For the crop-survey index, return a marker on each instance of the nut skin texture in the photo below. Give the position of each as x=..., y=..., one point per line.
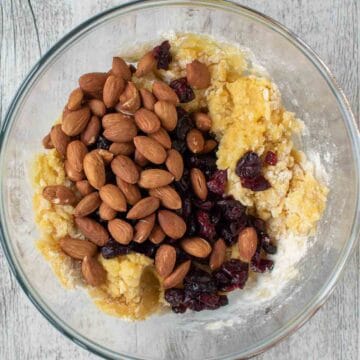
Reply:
x=47, y=143
x=195, y=141
x=123, y=131
x=153, y=178
x=203, y=121
x=198, y=75
x=94, y=169
x=177, y=276
x=198, y=182
x=76, y=248
x=74, y=122
x=175, y=163
x=130, y=100
x=147, y=98
x=143, y=228
x=209, y=146
x=106, y=212
x=75, y=99
x=172, y=224
x=150, y=149
x=114, y=86
x=165, y=259
x=120, y=68
x=93, y=272
x=93, y=83
x=247, y=244
x=125, y=148
x=59, y=139
x=113, y=197
x=146, y=64
x=124, y=168
x=196, y=246
x=164, y=92
x=75, y=153
x=130, y=191
x=157, y=235
x=91, y=132
x=162, y=137
x=147, y=121
x=59, y=195
x=92, y=230
x=97, y=107
x=87, y=205
x=71, y=173
x=168, y=197
x=166, y=111
x=121, y=231
x=84, y=187
x=218, y=254
x=143, y=208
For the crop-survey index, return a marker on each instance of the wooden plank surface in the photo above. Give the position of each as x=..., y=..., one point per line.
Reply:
x=331, y=27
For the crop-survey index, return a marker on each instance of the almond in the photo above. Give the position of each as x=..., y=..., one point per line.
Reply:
x=123, y=167
x=77, y=248
x=217, y=255
x=150, y=149
x=165, y=260
x=75, y=153
x=148, y=99
x=73, y=174
x=195, y=141
x=162, y=137
x=97, y=107
x=106, y=155
x=113, y=196
x=46, y=142
x=203, y=121
x=157, y=235
x=87, y=204
x=130, y=191
x=93, y=272
x=114, y=86
x=173, y=225
x=121, y=231
x=198, y=182
x=209, y=146
x=59, y=195
x=164, y=92
x=196, y=246
x=143, y=208
x=120, y=68
x=166, y=111
x=143, y=228
x=93, y=83
x=153, y=178
x=198, y=75
x=106, y=212
x=146, y=64
x=247, y=244
x=140, y=159
x=84, y=187
x=125, y=148
x=147, y=121
x=75, y=122
x=124, y=131
x=129, y=100
x=177, y=276
x=92, y=230
x=75, y=99
x=175, y=163
x=91, y=132
x=113, y=119
x=59, y=139
x=94, y=169
x=168, y=197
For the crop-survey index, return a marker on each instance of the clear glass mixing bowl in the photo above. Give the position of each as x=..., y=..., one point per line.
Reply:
x=240, y=329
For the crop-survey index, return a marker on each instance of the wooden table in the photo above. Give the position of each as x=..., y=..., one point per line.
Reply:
x=331, y=27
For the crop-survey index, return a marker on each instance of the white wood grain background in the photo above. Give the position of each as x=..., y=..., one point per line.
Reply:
x=29, y=27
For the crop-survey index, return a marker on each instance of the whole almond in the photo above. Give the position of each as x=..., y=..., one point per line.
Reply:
x=59, y=195
x=177, y=276
x=124, y=131
x=203, y=121
x=146, y=64
x=125, y=148
x=106, y=155
x=113, y=119
x=46, y=142
x=123, y=167
x=172, y=224
x=147, y=121
x=198, y=182
x=140, y=159
x=162, y=137
x=92, y=230
x=73, y=174
x=94, y=169
x=120, y=68
x=143, y=228
x=106, y=212
x=77, y=248
x=175, y=163
x=59, y=139
x=87, y=204
x=150, y=149
x=157, y=235
x=91, y=132
x=84, y=187
x=209, y=146
x=196, y=246
x=147, y=99
x=75, y=99
x=198, y=75
x=114, y=86
x=153, y=178
x=130, y=191
x=143, y=208
x=195, y=141
x=121, y=231
x=166, y=111
x=75, y=121
x=165, y=260
x=93, y=272
x=97, y=107
x=217, y=255
x=168, y=197
x=129, y=100
x=93, y=83
x=75, y=153
x=113, y=196
x=247, y=244
x=164, y=92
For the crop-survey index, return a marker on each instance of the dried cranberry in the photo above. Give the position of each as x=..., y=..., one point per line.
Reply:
x=217, y=182
x=206, y=163
x=262, y=265
x=211, y=301
x=257, y=223
x=231, y=208
x=180, y=146
x=271, y=158
x=199, y=281
x=231, y=275
x=203, y=205
x=194, y=304
x=113, y=249
x=258, y=183
x=183, y=185
x=162, y=55
x=206, y=227
x=183, y=90
x=249, y=166
x=174, y=297
x=103, y=143
x=228, y=236
x=215, y=216
x=186, y=207
x=238, y=225
x=184, y=124
x=191, y=226
x=147, y=248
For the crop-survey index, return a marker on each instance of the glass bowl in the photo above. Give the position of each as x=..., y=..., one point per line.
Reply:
x=243, y=328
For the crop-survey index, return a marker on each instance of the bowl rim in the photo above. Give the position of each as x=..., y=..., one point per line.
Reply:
x=347, y=116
